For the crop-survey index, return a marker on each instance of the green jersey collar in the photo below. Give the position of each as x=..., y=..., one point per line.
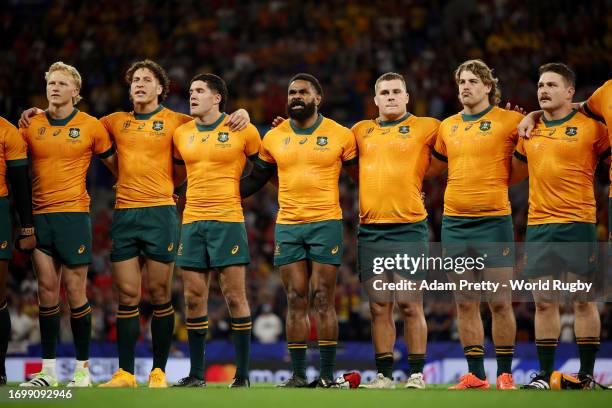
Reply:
x=553, y=123
x=147, y=116
x=383, y=123
x=307, y=131
x=213, y=126
x=61, y=122
x=471, y=118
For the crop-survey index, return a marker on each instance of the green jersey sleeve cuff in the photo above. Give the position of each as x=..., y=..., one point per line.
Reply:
x=178, y=162
x=521, y=157
x=439, y=156
x=253, y=157
x=351, y=162
x=264, y=164
x=605, y=154
x=107, y=153
x=17, y=163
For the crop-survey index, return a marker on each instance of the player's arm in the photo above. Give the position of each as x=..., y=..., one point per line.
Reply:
x=260, y=174
x=529, y=121
x=27, y=115
x=21, y=186
x=179, y=174
x=519, y=170
x=111, y=163
x=437, y=166
x=353, y=171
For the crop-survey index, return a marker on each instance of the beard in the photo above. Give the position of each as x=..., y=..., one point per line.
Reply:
x=307, y=111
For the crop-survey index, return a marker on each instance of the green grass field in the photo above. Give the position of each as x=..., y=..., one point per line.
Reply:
x=267, y=396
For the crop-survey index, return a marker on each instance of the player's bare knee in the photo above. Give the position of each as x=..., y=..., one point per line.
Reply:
x=296, y=301
x=235, y=300
x=547, y=308
x=500, y=308
x=128, y=294
x=322, y=301
x=193, y=302
x=159, y=292
x=379, y=310
x=584, y=308
x=48, y=289
x=410, y=309
x=468, y=308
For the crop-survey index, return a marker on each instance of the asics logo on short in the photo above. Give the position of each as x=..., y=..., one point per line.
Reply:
x=334, y=250
x=235, y=249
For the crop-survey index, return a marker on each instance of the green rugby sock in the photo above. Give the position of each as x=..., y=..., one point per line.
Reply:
x=80, y=323
x=297, y=351
x=475, y=359
x=49, y=320
x=241, y=335
x=504, y=355
x=327, y=351
x=416, y=363
x=128, y=332
x=384, y=364
x=546, y=354
x=587, y=350
x=197, y=328
x=162, y=329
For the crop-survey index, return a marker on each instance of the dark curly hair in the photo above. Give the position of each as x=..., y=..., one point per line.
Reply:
x=156, y=69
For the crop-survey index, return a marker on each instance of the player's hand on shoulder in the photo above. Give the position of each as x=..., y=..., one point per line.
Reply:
x=238, y=120
x=27, y=115
x=277, y=121
x=516, y=108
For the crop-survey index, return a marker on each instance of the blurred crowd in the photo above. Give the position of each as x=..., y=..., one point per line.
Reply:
x=256, y=47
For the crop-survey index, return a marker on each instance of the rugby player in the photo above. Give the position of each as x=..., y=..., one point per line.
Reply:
x=307, y=152
x=560, y=159
x=61, y=142
x=213, y=237
x=394, y=155
x=14, y=164
x=476, y=146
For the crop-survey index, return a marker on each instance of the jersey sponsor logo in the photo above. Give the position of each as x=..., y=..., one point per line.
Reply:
x=304, y=140
x=57, y=132
x=81, y=250
x=369, y=132
x=235, y=249
x=404, y=129
x=335, y=250
x=180, y=249
x=321, y=140
x=204, y=138
x=571, y=130
x=158, y=125
x=223, y=137
x=141, y=126
x=468, y=127
x=191, y=138
x=454, y=128
x=485, y=125
x=126, y=124
x=41, y=131
x=286, y=140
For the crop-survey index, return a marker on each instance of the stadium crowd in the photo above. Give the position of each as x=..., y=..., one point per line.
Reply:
x=256, y=48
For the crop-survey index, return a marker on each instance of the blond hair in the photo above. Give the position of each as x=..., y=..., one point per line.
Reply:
x=482, y=71
x=71, y=72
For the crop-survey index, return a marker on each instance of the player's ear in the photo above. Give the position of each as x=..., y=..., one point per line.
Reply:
x=217, y=99
x=407, y=97
x=375, y=101
x=160, y=89
x=318, y=100
x=571, y=91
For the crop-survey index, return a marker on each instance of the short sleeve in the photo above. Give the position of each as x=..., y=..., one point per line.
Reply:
x=253, y=141
x=432, y=133
x=602, y=142
x=439, y=150
x=594, y=105
x=520, y=152
x=349, y=149
x=264, y=157
x=102, y=143
x=15, y=148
